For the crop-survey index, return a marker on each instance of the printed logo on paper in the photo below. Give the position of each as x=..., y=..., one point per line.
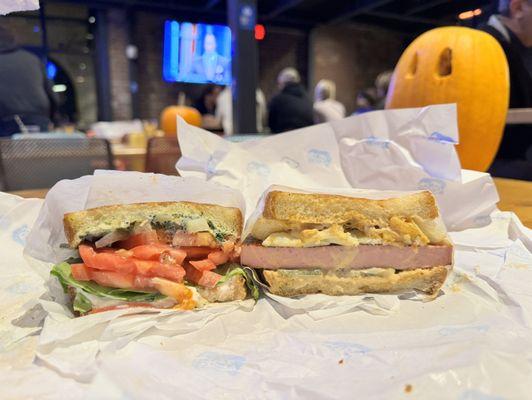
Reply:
x=441, y=138
x=211, y=165
x=258, y=168
x=19, y=235
x=348, y=349
x=228, y=363
x=377, y=142
x=474, y=394
x=290, y=162
x=316, y=156
x=436, y=186
x=453, y=330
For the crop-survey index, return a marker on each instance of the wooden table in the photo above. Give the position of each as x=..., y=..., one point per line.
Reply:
x=515, y=196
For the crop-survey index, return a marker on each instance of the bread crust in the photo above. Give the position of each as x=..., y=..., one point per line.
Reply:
x=101, y=220
x=335, y=209
x=427, y=280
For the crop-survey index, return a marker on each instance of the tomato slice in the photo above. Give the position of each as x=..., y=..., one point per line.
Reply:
x=175, y=272
x=105, y=260
x=80, y=272
x=203, y=265
x=203, y=278
x=148, y=237
x=196, y=253
x=218, y=257
x=112, y=279
x=159, y=252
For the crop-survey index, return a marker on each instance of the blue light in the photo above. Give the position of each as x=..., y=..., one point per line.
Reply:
x=196, y=53
x=51, y=70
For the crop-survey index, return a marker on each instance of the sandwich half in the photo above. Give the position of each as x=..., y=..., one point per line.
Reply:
x=304, y=243
x=162, y=255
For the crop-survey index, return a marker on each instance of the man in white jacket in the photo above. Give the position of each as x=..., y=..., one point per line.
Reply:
x=326, y=108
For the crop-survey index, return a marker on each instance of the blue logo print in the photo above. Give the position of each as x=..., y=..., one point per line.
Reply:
x=377, y=142
x=316, y=156
x=436, y=186
x=290, y=162
x=19, y=235
x=258, y=168
x=440, y=137
x=348, y=349
x=473, y=394
x=228, y=363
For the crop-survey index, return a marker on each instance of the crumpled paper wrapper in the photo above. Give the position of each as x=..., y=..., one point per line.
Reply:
x=407, y=149
x=472, y=342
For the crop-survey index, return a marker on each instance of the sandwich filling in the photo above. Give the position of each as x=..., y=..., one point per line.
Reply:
x=162, y=268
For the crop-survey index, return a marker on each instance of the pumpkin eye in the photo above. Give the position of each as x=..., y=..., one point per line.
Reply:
x=445, y=66
x=412, y=68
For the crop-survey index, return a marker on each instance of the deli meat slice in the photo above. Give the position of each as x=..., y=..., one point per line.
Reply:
x=355, y=257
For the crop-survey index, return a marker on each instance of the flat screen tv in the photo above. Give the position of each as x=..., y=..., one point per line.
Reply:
x=197, y=53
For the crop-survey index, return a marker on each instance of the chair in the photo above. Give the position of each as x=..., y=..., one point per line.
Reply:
x=41, y=162
x=162, y=154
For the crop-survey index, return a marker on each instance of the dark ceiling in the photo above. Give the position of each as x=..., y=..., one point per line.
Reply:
x=403, y=15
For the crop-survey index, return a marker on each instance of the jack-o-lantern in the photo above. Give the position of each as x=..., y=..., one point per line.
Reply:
x=463, y=66
x=169, y=118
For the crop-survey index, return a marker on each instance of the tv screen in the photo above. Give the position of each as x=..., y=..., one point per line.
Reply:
x=197, y=53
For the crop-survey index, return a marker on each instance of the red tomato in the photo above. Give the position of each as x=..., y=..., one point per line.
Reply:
x=196, y=253
x=80, y=272
x=112, y=279
x=203, y=278
x=119, y=307
x=148, y=237
x=159, y=252
x=105, y=260
x=203, y=265
x=154, y=268
x=218, y=257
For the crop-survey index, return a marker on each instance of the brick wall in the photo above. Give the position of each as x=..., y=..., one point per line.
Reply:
x=353, y=56
x=119, y=64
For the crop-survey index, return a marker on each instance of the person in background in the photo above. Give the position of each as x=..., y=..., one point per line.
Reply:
x=291, y=108
x=224, y=110
x=206, y=104
x=512, y=28
x=365, y=102
x=27, y=101
x=326, y=107
x=382, y=83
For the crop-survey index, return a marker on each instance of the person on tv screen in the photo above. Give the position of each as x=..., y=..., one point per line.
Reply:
x=211, y=65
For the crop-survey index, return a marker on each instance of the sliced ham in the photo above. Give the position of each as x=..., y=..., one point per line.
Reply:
x=348, y=257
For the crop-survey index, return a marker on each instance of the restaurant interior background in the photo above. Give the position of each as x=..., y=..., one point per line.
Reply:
x=105, y=59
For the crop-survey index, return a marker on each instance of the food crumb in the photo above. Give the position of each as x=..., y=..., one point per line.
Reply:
x=408, y=388
x=341, y=361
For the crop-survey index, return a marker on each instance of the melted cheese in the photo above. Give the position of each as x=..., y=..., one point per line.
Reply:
x=334, y=234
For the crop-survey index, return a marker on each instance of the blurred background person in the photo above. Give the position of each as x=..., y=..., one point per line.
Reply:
x=206, y=103
x=512, y=28
x=27, y=102
x=326, y=107
x=224, y=110
x=291, y=108
x=365, y=101
x=382, y=83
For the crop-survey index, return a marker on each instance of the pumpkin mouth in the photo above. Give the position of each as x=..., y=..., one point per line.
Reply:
x=445, y=63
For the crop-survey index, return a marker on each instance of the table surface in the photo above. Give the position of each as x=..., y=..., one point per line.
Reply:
x=515, y=196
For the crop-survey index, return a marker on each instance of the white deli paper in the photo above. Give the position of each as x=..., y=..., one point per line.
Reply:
x=408, y=149
x=472, y=342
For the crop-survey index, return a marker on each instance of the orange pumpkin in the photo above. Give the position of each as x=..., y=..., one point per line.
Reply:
x=463, y=66
x=169, y=115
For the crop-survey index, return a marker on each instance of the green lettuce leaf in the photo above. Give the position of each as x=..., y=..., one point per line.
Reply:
x=63, y=272
x=250, y=283
x=81, y=304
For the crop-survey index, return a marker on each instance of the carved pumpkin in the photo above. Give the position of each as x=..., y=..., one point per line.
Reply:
x=463, y=66
x=168, y=118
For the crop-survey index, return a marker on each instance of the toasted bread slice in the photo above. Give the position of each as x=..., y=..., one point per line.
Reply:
x=224, y=223
x=334, y=209
x=290, y=283
x=409, y=219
